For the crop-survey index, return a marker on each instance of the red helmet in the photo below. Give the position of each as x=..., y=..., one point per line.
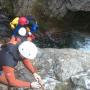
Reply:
x=23, y=21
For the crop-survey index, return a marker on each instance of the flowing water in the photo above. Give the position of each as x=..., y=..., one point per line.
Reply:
x=70, y=39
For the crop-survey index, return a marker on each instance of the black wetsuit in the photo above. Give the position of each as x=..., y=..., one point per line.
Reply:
x=9, y=56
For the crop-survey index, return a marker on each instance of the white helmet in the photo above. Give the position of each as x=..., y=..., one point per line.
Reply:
x=22, y=31
x=28, y=49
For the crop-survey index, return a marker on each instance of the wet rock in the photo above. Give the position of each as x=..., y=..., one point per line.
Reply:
x=63, y=64
x=82, y=79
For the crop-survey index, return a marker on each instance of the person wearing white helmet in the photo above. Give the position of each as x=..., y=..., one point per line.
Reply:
x=12, y=53
x=22, y=31
x=19, y=23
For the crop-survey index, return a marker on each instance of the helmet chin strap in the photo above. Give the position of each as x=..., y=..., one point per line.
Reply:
x=15, y=38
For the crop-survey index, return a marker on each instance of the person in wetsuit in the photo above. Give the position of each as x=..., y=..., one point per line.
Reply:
x=9, y=58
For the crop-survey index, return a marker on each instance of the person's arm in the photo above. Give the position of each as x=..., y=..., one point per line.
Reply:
x=31, y=68
x=27, y=63
x=9, y=74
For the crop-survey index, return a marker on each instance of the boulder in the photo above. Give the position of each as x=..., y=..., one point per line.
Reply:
x=82, y=79
x=62, y=63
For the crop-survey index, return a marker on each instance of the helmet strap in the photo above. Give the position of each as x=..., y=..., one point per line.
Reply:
x=15, y=38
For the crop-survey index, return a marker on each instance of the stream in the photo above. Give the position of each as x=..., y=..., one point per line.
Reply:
x=70, y=39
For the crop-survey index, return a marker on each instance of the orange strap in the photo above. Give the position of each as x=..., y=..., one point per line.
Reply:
x=9, y=74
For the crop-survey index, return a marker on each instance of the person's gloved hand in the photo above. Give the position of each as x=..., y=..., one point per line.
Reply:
x=38, y=79
x=35, y=85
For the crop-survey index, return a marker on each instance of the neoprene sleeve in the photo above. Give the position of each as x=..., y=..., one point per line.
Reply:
x=12, y=81
x=29, y=65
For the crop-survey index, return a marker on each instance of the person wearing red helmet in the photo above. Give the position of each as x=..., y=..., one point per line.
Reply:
x=18, y=20
x=23, y=21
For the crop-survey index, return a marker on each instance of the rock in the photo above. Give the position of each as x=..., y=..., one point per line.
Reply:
x=55, y=8
x=59, y=8
x=51, y=83
x=6, y=7
x=78, y=5
x=82, y=79
x=22, y=8
x=52, y=8
x=78, y=88
x=64, y=86
x=5, y=31
x=62, y=65
x=3, y=87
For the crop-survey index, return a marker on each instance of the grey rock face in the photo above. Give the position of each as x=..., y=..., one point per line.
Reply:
x=23, y=7
x=78, y=88
x=58, y=8
x=82, y=79
x=6, y=6
x=55, y=8
x=62, y=64
x=78, y=5
x=52, y=8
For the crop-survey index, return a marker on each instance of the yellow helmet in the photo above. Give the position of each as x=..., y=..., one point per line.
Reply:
x=14, y=23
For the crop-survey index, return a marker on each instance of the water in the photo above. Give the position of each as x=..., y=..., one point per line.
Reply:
x=70, y=39
x=86, y=45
